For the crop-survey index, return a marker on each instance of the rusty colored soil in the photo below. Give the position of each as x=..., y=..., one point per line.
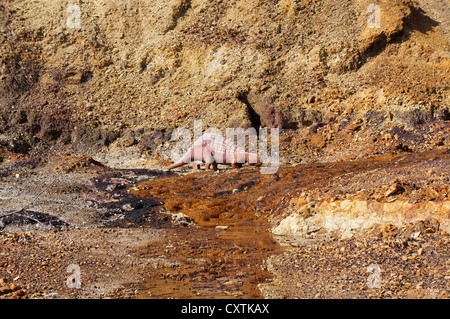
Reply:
x=230, y=196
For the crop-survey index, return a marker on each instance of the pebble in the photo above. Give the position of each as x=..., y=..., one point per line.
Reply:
x=11, y=290
x=4, y=289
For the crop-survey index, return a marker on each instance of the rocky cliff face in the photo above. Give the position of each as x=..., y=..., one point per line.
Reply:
x=88, y=76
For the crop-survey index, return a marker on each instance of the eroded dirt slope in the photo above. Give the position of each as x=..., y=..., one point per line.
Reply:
x=118, y=76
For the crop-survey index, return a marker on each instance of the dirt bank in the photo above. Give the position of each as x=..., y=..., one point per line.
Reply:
x=116, y=77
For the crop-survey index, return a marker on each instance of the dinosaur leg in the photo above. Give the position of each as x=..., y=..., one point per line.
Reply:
x=188, y=157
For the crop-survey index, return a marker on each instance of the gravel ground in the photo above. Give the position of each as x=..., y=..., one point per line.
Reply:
x=390, y=262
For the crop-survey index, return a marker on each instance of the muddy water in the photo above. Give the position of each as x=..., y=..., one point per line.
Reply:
x=212, y=263
x=222, y=255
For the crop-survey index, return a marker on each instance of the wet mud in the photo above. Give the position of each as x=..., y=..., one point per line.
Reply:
x=211, y=263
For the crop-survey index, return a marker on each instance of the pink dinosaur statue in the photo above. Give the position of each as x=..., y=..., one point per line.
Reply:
x=213, y=149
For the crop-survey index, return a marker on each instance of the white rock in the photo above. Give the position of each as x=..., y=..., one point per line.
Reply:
x=290, y=225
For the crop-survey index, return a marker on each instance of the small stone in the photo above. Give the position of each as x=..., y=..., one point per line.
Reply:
x=346, y=235
x=414, y=235
x=127, y=207
x=222, y=227
x=234, y=293
x=19, y=293
x=353, y=127
x=4, y=289
x=129, y=141
x=318, y=141
x=233, y=282
x=14, y=287
x=394, y=189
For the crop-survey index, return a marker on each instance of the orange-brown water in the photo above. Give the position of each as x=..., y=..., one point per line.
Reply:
x=213, y=263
